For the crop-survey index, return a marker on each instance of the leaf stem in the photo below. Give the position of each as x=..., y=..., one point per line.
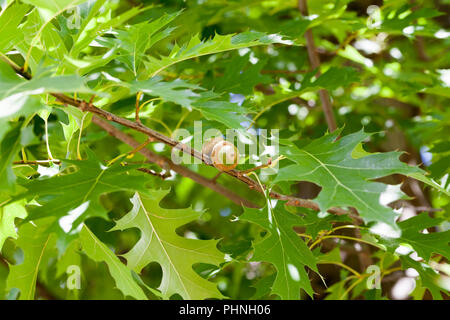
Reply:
x=356, y=273
x=79, y=136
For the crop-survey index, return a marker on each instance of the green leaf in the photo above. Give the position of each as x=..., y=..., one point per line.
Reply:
x=178, y=91
x=76, y=195
x=263, y=287
x=137, y=39
x=332, y=256
x=239, y=77
x=428, y=276
x=425, y=244
x=228, y=113
x=98, y=22
x=98, y=251
x=54, y=7
x=337, y=291
x=335, y=77
x=345, y=181
x=315, y=224
x=332, y=79
x=398, y=19
x=35, y=240
x=8, y=214
x=43, y=37
x=19, y=105
x=440, y=166
x=184, y=94
x=70, y=257
x=385, y=69
x=70, y=129
x=196, y=48
x=283, y=247
x=438, y=90
x=9, y=147
x=160, y=243
x=10, y=19
x=11, y=84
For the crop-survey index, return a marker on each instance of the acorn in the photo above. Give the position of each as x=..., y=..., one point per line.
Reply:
x=223, y=154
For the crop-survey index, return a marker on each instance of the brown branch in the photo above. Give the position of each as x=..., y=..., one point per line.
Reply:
x=163, y=176
x=292, y=201
x=155, y=135
x=315, y=64
x=419, y=41
x=167, y=164
x=421, y=52
x=37, y=162
x=164, y=162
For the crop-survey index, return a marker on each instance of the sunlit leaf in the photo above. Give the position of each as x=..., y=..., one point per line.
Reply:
x=159, y=242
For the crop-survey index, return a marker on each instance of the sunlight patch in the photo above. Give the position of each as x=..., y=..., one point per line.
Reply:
x=67, y=221
x=293, y=272
x=385, y=230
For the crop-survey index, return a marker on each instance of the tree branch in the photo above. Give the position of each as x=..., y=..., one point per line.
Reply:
x=167, y=164
x=315, y=64
x=162, y=161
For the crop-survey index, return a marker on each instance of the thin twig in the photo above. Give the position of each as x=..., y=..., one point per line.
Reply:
x=163, y=176
x=37, y=162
